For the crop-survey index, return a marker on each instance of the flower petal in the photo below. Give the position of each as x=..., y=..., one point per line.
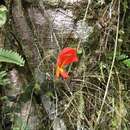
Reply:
x=57, y=73
x=59, y=70
x=67, y=56
x=64, y=75
x=70, y=60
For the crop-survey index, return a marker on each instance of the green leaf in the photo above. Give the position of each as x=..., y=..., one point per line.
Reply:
x=20, y=124
x=36, y=88
x=127, y=62
x=10, y=56
x=121, y=57
x=125, y=5
x=124, y=59
x=3, y=15
x=3, y=79
x=49, y=94
x=80, y=51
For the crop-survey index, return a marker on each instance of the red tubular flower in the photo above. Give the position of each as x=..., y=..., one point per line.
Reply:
x=65, y=57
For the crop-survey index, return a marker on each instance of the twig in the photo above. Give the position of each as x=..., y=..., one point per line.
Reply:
x=85, y=16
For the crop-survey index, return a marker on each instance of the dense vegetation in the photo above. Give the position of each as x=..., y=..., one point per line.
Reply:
x=95, y=96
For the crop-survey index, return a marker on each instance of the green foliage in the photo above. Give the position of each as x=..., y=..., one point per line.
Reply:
x=121, y=57
x=36, y=88
x=126, y=62
x=3, y=15
x=125, y=5
x=20, y=124
x=80, y=51
x=3, y=79
x=10, y=56
x=124, y=59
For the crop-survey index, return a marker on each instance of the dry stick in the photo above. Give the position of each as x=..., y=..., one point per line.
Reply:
x=85, y=16
x=112, y=65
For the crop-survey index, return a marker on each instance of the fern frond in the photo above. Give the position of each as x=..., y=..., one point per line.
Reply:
x=3, y=78
x=10, y=56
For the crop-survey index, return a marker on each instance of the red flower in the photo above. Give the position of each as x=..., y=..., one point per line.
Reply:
x=65, y=57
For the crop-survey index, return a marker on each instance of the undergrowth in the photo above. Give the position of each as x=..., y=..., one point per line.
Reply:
x=96, y=96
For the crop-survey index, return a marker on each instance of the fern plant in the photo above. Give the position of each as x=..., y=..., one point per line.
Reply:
x=10, y=56
x=3, y=78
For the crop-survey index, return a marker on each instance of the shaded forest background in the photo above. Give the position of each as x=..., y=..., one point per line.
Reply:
x=96, y=96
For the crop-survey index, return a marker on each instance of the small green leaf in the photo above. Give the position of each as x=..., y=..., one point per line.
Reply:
x=121, y=57
x=4, y=98
x=127, y=62
x=125, y=5
x=3, y=80
x=20, y=124
x=3, y=15
x=49, y=94
x=37, y=88
x=80, y=51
